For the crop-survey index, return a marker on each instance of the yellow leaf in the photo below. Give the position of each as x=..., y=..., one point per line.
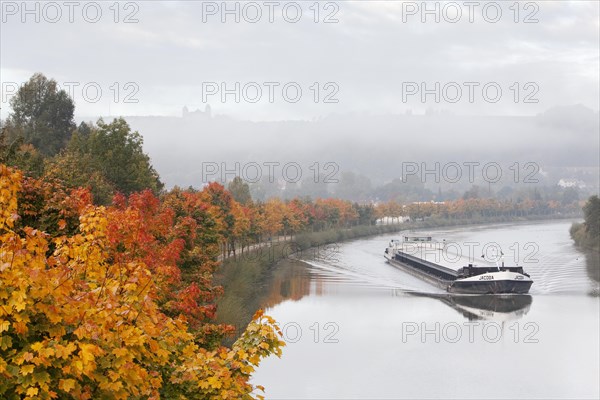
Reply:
x=37, y=346
x=87, y=352
x=66, y=384
x=264, y=345
x=4, y=325
x=47, y=352
x=120, y=352
x=255, y=359
x=214, y=382
x=32, y=391
x=27, y=369
x=78, y=366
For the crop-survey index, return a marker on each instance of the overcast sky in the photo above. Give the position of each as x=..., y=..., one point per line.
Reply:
x=372, y=56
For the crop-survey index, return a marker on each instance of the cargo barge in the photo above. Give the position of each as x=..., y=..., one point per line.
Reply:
x=471, y=279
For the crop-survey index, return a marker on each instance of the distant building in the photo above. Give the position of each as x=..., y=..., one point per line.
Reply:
x=198, y=114
x=392, y=220
x=571, y=183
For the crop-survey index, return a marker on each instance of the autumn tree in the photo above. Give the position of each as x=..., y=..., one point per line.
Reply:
x=296, y=217
x=221, y=203
x=83, y=322
x=242, y=229
x=274, y=211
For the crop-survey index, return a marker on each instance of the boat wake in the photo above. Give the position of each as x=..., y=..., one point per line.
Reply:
x=555, y=269
x=361, y=267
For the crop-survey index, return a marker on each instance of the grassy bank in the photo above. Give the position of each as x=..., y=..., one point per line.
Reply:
x=245, y=280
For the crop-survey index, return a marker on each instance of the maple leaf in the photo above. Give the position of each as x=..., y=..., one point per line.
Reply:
x=66, y=384
x=27, y=369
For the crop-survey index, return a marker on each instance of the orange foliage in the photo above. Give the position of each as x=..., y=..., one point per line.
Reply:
x=83, y=320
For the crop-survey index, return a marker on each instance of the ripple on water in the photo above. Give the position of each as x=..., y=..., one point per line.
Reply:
x=556, y=267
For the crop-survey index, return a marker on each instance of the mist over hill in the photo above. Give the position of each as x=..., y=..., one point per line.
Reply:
x=191, y=150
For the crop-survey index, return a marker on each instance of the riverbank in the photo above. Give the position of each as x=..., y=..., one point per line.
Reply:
x=312, y=239
x=583, y=239
x=588, y=246
x=245, y=277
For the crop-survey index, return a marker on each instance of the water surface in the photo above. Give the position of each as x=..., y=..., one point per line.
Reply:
x=358, y=327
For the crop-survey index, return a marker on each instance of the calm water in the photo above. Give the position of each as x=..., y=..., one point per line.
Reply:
x=357, y=327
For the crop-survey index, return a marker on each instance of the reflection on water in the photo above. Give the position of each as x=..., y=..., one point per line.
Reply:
x=493, y=308
x=547, y=348
x=291, y=281
x=249, y=287
x=484, y=307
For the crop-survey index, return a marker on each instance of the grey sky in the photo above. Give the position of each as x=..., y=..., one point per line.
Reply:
x=368, y=54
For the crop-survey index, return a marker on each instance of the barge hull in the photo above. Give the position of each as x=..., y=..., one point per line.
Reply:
x=490, y=287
